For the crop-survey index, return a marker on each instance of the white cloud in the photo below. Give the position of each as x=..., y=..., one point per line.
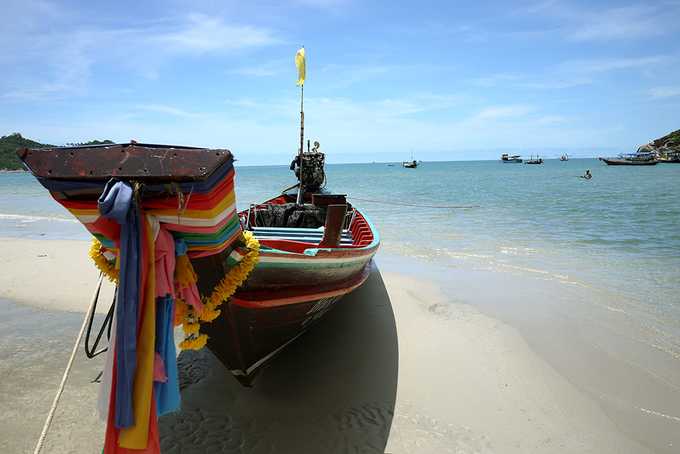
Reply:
x=66, y=63
x=500, y=112
x=69, y=49
x=634, y=21
x=551, y=80
x=664, y=92
x=551, y=120
x=344, y=75
x=267, y=69
x=573, y=73
x=601, y=65
x=323, y=4
x=201, y=33
x=500, y=79
x=628, y=22
x=165, y=109
x=253, y=126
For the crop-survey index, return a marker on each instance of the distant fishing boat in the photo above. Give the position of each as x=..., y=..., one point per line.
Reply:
x=511, y=158
x=537, y=160
x=634, y=159
x=412, y=164
x=671, y=158
x=564, y=157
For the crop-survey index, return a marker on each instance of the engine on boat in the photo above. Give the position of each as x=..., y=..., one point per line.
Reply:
x=290, y=215
x=309, y=168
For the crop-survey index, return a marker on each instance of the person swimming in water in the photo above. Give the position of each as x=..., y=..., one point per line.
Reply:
x=587, y=175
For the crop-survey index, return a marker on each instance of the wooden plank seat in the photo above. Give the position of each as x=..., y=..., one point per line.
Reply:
x=303, y=235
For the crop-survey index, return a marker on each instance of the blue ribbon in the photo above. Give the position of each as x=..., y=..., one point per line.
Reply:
x=167, y=393
x=117, y=203
x=180, y=247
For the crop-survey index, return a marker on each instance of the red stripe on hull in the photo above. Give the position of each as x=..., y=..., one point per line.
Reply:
x=254, y=326
x=294, y=295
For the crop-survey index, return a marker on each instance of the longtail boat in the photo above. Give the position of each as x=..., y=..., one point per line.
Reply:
x=536, y=161
x=246, y=283
x=310, y=253
x=505, y=158
x=167, y=233
x=300, y=275
x=635, y=159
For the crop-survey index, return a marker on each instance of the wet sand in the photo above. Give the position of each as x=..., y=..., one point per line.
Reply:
x=398, y=367
x=34, y=347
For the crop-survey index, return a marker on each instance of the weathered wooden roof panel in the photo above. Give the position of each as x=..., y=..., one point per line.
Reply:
x=129, y=161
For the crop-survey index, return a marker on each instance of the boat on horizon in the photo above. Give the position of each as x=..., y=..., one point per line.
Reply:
x=412, y=164
x=670, y=158
x=511, y=158
x=633, y=159
x=535, y=161
x=564, y=157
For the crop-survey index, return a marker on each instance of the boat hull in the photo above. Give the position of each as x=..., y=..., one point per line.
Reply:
x=627, y=162
x=283, y=297
x=255, y=326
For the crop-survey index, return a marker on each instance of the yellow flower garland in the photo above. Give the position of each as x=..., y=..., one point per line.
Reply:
x=184, y=314
x=223, y=291
x=237, y=276
x=195, y=343
x=108, y=268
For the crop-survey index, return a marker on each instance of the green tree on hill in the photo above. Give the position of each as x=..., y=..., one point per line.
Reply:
x=8, y=148
x=9, y=145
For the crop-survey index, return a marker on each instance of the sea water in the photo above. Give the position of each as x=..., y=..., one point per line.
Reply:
x=617, y=235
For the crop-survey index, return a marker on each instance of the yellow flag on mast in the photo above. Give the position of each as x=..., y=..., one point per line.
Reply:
x=300, y=64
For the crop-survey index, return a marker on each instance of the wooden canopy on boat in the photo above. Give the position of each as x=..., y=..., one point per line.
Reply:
x=138, y=161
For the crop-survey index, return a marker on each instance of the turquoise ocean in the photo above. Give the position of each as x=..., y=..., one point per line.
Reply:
x=617, y=236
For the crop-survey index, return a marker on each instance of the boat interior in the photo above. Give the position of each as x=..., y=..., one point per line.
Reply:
x=329, y=221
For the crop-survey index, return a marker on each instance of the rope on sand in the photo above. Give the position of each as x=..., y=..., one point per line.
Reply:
x=418, y=205
x=60, y=390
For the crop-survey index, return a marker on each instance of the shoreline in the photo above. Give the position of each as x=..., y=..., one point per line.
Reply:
x=62, y=269
x=466, y=379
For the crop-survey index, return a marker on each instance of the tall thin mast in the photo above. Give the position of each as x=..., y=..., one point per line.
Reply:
x=301, y=67
x=302, y=142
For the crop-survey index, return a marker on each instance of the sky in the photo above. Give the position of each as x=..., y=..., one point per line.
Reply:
x=445, y=80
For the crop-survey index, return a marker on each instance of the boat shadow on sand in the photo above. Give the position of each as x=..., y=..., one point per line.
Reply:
x=332, y=390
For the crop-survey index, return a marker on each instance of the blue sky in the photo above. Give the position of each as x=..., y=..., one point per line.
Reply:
x=448, y=80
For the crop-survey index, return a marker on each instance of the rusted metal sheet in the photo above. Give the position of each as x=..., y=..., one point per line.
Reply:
x=131, y=160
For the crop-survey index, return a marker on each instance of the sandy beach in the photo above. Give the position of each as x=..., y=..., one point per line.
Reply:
x=399, y=367
x=330, y=199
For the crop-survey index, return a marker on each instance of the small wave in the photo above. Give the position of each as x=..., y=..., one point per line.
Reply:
x=519, y=251
x=24, y=218
x=658, y=413
x=616, y=309
x=523, y=268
